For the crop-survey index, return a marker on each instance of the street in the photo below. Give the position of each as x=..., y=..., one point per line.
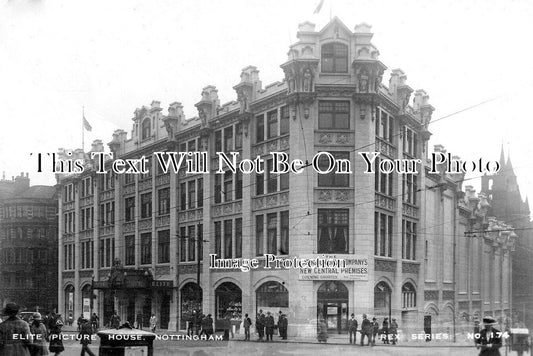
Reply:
x=204, y=348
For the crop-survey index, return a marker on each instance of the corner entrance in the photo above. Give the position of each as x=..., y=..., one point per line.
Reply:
x=332, y=306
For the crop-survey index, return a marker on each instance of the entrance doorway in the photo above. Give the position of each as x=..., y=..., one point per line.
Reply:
x=332, y=306
x=147, y=312
x=164, y=317
x=109, y=307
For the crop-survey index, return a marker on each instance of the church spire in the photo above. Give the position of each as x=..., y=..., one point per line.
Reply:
x=502, y=158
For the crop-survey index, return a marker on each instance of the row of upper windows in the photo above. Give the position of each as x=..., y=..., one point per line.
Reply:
x=27, y=232
x=27, y=211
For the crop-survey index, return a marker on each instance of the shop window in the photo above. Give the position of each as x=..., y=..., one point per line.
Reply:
x=382, y=296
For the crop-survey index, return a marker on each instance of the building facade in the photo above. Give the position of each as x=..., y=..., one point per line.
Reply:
x=507, y=205
x=28, y=244
x=146, y=245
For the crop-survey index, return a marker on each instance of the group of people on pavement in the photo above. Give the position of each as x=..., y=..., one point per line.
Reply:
x=388, y=333
x=200, y=324
x=18, y=338
x=265, y=325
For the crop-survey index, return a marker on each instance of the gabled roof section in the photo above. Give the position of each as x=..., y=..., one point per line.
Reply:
x=335, y=21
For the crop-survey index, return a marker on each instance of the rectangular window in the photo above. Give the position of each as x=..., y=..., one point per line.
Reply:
x=200, y=193
x=163, y=250
x=238, y=185
x=272, y=179
x=191, y=145
x=333, y=227
x=146, y=205
x=183, y=196
x=384, y=125
x=163, y=196
x=284, y=124
x=218, y=188
x=201, y=241
x=333, y=179
x=238, y=136
x=192, y=193
x=218, y=141
x=409, y=187
x=259, y=184
x=284, y=181
x=272, y=233
x=129, y=178
x=130, y=250
x=218, y=239
x=334, y=58
x=238, y=238
x=228, y=232
x=272, y=124
x=409, y=240
x=228, y=139
x=183, y=244
x=146, y=248
x=259, y=235
x=384, y=182
x=383, y=230
x=228, y=186
x=333, y=114
x=129, y=208
x=259, y=128
x=284, y=241
x=192, y=243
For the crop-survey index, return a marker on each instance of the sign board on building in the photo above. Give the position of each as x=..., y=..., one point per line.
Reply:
x=355, y=269
x=162, y=284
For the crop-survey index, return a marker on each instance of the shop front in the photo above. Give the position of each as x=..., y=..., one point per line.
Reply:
x=332, y=306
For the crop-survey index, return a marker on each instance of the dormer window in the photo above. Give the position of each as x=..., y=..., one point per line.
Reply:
x=146, y=129
x=334, y=58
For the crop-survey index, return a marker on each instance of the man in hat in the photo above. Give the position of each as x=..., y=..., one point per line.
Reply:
x=11, y=327
x=365, y=330
x=86, y=332
x=352, y=329
x=490, y=339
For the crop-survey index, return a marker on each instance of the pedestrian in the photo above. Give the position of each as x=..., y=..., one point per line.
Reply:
x=385, y=331
x=139, y=321
x=56, y=339
x=366, y=330
x=352, y=329
x=489, y=340
x=322, y=331
x=40, y=336
x=226, y=325
x=247, y=323
x=153, y=323
x=427, y=327
x=269, y=326
x=209, y=325
x=94, y=322
x=190, y=323
x=279, y=318
x=115, y=320
x=80, y=321
x=394, y=331
x=13, y=325
x=260, y=324
x=283, y=324
x=375, y=330
x=85, y=336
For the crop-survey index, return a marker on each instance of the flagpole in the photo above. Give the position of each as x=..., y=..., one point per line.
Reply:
x=82, y=128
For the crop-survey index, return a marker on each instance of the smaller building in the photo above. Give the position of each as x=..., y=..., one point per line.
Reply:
x=28, y=244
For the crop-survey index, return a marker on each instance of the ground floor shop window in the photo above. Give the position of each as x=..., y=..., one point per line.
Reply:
x=191, y=300
x=109, y=306
x=272, y=297
x=69, y=303
x=382, y=299
x=228, y=301
x=86, y=301
x=332, y=306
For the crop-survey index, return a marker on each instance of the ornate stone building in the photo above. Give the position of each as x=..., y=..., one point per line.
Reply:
x=507, y=205
x=399, y=231
x=28, y=244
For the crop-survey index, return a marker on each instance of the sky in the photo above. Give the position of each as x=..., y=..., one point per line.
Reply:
x=111, y=57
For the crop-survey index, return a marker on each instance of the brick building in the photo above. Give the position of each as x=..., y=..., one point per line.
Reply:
x=139, y=243
x=28, y=244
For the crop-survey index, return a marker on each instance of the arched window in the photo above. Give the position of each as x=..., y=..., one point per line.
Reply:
x=334, y=58
x=69, y=302
x=272, y=296
x=146, y=129
x=382, y=294
x=408, y=296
